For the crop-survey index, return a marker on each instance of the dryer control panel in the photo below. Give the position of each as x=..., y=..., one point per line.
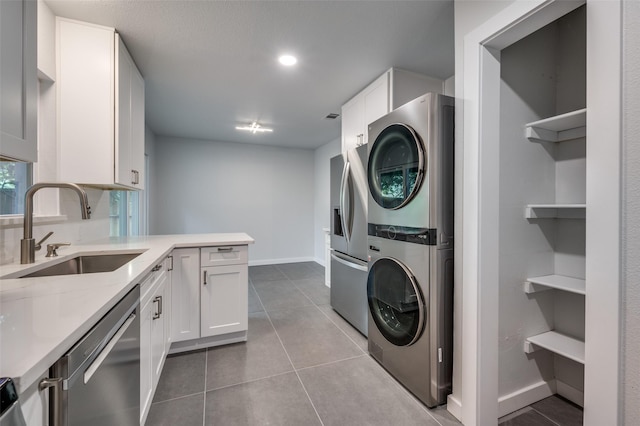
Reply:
x=424, y=236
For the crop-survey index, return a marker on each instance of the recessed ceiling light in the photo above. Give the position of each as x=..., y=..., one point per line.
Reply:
x=254, y=128
x=288, y=60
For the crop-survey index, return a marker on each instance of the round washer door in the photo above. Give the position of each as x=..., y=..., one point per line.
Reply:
x=395, y=301
x=396, y=166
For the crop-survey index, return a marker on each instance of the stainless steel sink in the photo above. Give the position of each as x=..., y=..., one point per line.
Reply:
x=88, y=264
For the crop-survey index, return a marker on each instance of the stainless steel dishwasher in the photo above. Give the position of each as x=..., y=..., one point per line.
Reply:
x=98, y=381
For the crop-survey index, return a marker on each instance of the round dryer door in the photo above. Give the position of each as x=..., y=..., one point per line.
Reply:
x=395, y=301
x=396, y=166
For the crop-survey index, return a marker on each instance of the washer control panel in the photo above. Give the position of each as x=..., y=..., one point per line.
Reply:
x=424, y=236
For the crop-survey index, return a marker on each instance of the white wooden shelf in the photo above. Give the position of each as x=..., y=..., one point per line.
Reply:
x=557, y=343
x=559, y=282
x=550, y=211
x=564, y=127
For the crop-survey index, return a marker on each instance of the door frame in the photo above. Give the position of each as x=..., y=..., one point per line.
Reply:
x=475, y=401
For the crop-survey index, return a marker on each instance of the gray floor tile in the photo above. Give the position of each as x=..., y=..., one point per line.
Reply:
x=310, y=338
x=560, y=411
x=316, y=267
x=262, y=355
x=187, y=411
x=254, y=302
x=347, y=328
x=298, y=271
x=444, y=417
x=359, y=392
x=265, y=273
x=277, y=295
x=315, y=289
x=183, y=374
x=528, y=418
x=278, y=400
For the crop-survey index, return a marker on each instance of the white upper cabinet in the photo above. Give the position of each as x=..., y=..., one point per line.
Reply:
x=100, y=108
x=18, y=80
x=389, y=91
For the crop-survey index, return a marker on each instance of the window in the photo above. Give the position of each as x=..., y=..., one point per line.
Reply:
x=124, y=213
x=15, y=178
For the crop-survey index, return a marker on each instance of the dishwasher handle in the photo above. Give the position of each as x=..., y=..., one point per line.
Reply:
x=90, y=371
x=55, y=399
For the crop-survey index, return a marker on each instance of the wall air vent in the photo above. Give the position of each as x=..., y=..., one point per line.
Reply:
x=332, y=116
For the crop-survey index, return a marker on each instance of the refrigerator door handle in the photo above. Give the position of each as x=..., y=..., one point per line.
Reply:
x=345, y=207
x=348, y=262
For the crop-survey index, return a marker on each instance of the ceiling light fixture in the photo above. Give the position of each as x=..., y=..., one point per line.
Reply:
x=254, y=128
x=288, y=60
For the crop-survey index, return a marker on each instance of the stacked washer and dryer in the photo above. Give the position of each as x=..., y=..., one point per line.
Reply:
x=410, y=245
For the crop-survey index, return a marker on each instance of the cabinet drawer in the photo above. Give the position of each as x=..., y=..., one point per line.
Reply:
x=223, y=255
x=150, y=282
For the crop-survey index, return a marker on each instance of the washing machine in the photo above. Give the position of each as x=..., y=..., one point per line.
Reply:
x=410, y=166
x=410, y=246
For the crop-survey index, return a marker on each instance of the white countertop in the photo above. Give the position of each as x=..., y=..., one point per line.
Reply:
x=41, y=318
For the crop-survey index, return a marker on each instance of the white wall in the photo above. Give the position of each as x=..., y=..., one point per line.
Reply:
x=321, y=218
x=630, y=207
x=267, y=192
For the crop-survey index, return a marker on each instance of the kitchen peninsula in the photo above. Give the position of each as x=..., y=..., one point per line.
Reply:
x=41, y=318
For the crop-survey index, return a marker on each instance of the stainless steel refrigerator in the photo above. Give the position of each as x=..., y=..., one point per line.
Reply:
x=349, y=194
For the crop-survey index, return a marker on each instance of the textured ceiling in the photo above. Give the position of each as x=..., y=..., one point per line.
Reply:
x=212, y=65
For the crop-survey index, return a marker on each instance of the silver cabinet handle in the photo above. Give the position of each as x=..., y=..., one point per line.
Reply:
x=204, y=277
x=133, y=177
x=90, y=371
x=158, y=300
x=225, y=248
x=55, y=399
x=157, y=268
x=171, y=267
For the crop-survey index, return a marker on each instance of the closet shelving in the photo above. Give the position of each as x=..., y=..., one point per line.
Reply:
x=558, y=282
x=550, y=211
x=558, y=343
x=556, y=129
x=559, y=128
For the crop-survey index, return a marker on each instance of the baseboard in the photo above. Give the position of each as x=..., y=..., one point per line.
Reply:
x=319, y=261
x=569, y=392
x=454, y=407
x=279, y=261
x=525, y=396
x=208, y=342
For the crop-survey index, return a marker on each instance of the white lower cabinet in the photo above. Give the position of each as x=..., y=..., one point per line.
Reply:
x=155, y=316
x=223, y=300
x=209, y=297
x=185, y=298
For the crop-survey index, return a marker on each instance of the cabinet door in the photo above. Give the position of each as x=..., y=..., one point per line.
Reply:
x=353, y=123
x=86, y=99
x=375, y=102
x=137, y=127
x=158, y=341
x=124, y=171
x=129, y=144
x=224, y=303
x=146, y=375
x=185, y=295
x=168, y=265
x=18, y=80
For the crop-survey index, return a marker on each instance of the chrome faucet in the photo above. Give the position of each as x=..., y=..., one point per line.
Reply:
x=28, y=243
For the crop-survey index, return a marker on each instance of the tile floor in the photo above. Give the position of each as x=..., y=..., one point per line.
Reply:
x=301, y=365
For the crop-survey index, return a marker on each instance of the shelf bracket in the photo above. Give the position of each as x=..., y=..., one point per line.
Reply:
x=530, y=287
x=530, y=348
